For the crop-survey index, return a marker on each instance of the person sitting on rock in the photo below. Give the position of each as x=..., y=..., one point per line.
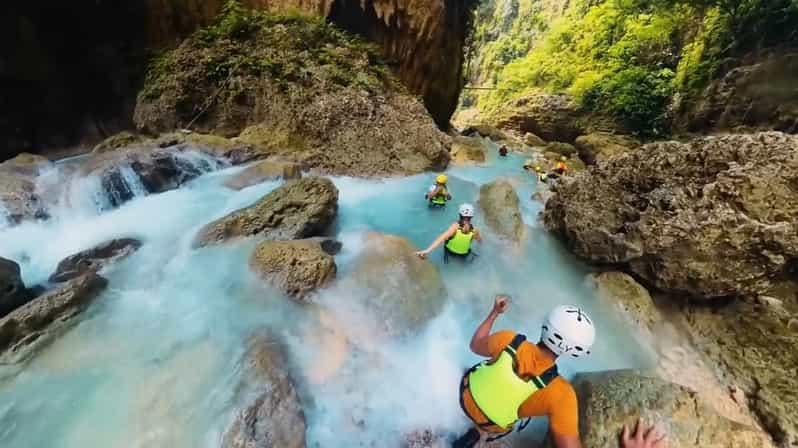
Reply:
x=503, y=151
x=520, y=380
x=561, y=167
x=438, y=194
x=458, y=238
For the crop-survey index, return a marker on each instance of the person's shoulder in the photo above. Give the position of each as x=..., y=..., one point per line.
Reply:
x=563, y=389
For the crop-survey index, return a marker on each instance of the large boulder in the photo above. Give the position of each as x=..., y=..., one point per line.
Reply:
x=19, y=199
x=94, y=259
x=468, y=150
x=120, y=140
x=711, y=218
x=401, y=291
x=297, y=268
x=533, y=140
x=600, y=146
x=499, y=202
x=551, y=117
x=628, y=297
x=560, y=148
x=275, y=418
x=297, y=209
x=12, y=289
x=757, y=352
x=26, y=164
x=763, y=94
x=271, y=169
x=344, y=111
x=484, y=130
x=33, y=325
x=609, y=400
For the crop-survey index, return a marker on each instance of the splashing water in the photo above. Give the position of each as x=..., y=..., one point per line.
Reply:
x=156, y=359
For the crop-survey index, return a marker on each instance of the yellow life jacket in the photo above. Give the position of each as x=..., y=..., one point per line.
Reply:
x=440, y=199
x=460, y=242
x=499, y=391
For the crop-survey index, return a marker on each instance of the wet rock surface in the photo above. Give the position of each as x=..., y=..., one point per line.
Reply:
x=36, y=323
x=500, y=204
x=710, y=218
x=298, y=209
x=468, y=150
x=94, y=259
x=265, y=171
x=402, y=291
x=275, y=418
x=609, y=400
x=298, y=268
x=12, y=289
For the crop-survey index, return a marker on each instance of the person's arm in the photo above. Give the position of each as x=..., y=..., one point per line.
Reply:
x=477, y=235
x=480, y=341
x=561, y=441
x=438, y=241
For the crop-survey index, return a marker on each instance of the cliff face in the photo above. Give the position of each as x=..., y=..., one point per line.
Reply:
x=71, y=71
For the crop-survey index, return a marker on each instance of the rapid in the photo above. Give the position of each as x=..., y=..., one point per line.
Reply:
x=156, y=359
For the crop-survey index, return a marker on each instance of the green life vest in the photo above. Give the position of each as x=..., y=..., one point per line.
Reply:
x=499, y=391
x=460, y=243
x=542, y=177
x=440, y=199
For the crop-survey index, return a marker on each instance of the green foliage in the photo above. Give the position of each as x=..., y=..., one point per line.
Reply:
x=629, y=57
x=290, y=49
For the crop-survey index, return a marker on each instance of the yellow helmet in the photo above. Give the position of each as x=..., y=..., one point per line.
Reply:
x=442, y=179
x=563, y=158
x=538, y=168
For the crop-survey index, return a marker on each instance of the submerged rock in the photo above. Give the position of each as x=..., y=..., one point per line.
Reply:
x=468, y=150
x=600, y=146
x=297, y=268
x=12, y=289
x=36, y=323
x=499, y=202
x=423, y=439
x=402, y=291
x=94, y=259
x=263, y=171
x=297, y=209
x=609, y=400
x=711, y=218
x=275, y=419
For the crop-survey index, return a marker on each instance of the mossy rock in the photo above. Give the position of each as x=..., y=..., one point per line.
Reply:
x=120, y=140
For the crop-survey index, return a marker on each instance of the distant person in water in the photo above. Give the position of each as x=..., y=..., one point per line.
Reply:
x=438, y=194
x=543, y=177
x=503, y=151
x=520, y=379
x=457, y=238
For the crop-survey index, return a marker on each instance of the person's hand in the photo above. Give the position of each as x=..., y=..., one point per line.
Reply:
x=642, y=437
x=500, y=304
x=422, y=254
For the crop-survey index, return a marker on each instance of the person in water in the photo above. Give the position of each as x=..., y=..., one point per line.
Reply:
x=438, y=194
x=520, y=380
x=541, y=175
x=458, y=237
x=503, y=151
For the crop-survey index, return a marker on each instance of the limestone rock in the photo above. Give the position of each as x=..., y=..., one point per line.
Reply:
x=609, y=400
x=622, y=292
x=500, y=204
x=263, y=171
x=338, y=112
x=533, y=140
x=423, y=439
x=760, y=95
x=275, y=419
x=560, y=148
x=94, y=259
x=25, y=164
x=120, y=140
x=36, y=323
x=402, y=291
x=758, y=353
x=600, y=146
x=297, y=209
x=12, y=289
x=19, y=199
x=468, y=150
x=485, y=130
x=297, y=268
x=710, y=218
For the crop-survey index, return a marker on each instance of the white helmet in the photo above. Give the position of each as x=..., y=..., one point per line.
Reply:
x=467, y=211
x=567, y=330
